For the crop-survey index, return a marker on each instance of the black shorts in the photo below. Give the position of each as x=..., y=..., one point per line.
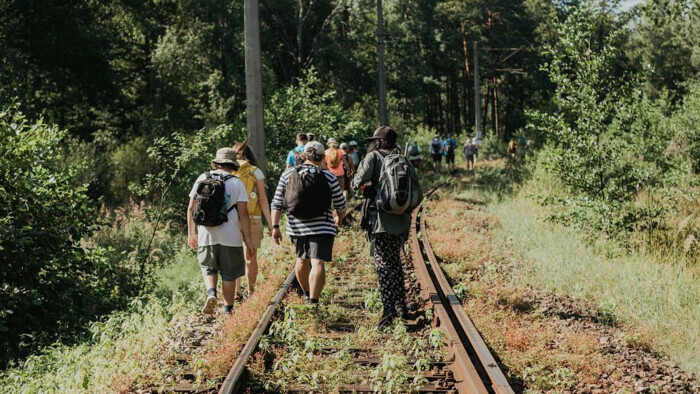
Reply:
x=437, y=157
x=470, y=157
x=450, y=158
x=315, y=247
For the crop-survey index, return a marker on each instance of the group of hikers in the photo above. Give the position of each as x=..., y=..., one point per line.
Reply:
x=227, y=205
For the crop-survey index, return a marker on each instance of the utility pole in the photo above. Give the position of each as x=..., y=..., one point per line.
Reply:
x=382, y=75
x=253, y=82
x=477, y=96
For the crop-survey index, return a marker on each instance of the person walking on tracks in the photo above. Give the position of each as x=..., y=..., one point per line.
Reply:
x=219, y=207
x=449, y=146
x=436, y=153
x=258, y=207
x=471, y=150
x=308, y=194
x=392, y=191
x=337, y=163
x=296, y=156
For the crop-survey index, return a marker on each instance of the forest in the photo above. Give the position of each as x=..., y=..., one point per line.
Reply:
x=110, y=109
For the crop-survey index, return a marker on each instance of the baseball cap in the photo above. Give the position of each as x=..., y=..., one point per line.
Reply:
x=384, y=133
x=353, y=143
x=314, y=147
x=332, y=141
x=343, y=146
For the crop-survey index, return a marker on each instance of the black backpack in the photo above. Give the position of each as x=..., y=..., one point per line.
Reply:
x=307, y=194
x=449, y=148
x=414, y=150
x=209, y=209
x=435, y=147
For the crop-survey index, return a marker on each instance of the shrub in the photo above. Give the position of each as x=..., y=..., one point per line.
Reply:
x=47, y=282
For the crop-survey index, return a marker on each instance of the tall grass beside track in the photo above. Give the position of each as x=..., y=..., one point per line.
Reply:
x=663, y=297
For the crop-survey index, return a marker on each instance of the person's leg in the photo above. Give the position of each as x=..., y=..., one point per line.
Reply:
x=229, y=291
x=232, y=262
x=384, y=273
x=392, y=257
x=302, y=269
x=317, y=278
x=207, y=258
x=251, y=265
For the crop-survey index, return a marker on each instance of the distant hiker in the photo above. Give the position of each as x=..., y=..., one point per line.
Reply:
x=356, y=149
x=415, y=154
x=254, y=181
x=449, y=146
x=471, y=150
x=349, y=169
x=436, y=153
x=296, y=156
x=337, y=162
x=219, y=207
x=308, y=194
x=512, y=148
x=353, y=153
x=386, y=215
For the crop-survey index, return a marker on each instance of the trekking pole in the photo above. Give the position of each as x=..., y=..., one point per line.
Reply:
x=405, y=152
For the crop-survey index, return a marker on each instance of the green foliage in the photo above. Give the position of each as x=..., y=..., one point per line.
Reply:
x=49, y=284
x=492, y=148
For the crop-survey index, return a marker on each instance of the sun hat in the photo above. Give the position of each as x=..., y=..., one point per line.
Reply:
x=343, y=146
x=226, y=155
x=353, y=143
x=384, y=133
x=314, y=147
x=332, y=141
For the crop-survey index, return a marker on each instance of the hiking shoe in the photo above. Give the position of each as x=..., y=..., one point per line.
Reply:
x=209, y=305
x=385, y=321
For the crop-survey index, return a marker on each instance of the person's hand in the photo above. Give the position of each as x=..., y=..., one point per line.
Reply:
x=192, y=241
x=250, y=252
x=277, y=235
x=269, y=231
x=336, y=220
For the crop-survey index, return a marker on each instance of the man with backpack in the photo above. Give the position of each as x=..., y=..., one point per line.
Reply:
x=392, y=191
x=471, y=150
x=219, y=207
x=308, y=194
x=415, y=154
x=436, y=153
x=449, y=146
x=296, y=156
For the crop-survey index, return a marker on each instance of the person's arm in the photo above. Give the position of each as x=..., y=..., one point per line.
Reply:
x=350, y=167
x=364, y=173
x=276, y=232
x=191, y=233
x=264, y=204
x=339, y=202
x=242, y=208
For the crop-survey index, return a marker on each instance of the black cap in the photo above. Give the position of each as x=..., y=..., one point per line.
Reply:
x=384, y=133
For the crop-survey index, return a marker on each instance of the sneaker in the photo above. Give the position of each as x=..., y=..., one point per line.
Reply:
x=209, y=305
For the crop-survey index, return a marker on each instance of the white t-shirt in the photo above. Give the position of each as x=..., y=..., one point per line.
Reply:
x=229, y=233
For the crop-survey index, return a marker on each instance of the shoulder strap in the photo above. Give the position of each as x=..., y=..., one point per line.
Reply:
x=207, y=175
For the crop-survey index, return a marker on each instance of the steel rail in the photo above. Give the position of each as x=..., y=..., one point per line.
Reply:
x=450, y=314
x=233, y=379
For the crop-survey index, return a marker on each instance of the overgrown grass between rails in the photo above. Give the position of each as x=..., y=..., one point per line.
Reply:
x=663, y=297
x=119, y=350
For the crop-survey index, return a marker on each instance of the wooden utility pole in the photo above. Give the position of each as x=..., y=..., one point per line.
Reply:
x=477, y=96
x=253, y=79
x=382, y=75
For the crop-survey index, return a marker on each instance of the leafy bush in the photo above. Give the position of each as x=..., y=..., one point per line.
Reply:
x=48, y=283
x=492, y=148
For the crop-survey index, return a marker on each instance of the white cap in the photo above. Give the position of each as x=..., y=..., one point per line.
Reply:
x=353, y=143
x=314, y=147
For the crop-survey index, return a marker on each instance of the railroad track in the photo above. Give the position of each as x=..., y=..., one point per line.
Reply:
x=463, y=364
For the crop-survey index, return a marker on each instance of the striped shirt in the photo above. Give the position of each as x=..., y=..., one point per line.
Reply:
x=316, y=226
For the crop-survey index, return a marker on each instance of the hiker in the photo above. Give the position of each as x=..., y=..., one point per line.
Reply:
x=415, y=154
x=254, y=181
x=349, y=169
x=308, y=194
x=295, y=156
x=436, y=153
x=353, y=153
x=337, y=162
x=449, y=146
x=512, y=148
x=387, y=229
x=471, y=150
x=311, y=136
x=219, y=207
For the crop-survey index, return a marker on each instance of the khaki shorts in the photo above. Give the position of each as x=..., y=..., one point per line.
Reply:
x=256, y=232
x=228, y=260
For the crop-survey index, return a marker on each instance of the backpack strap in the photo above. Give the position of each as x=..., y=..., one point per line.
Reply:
x=224, y=178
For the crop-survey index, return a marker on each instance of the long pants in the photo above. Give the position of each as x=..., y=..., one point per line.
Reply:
x=387, y=261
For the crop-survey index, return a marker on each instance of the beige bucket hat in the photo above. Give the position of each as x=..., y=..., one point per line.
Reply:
x=226, y=155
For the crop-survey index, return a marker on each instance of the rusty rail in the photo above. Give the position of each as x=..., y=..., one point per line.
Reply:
x=233, y=379
x=452, y=318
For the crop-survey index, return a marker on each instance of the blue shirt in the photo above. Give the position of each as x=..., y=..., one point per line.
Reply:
x=444, y=146
x=291, y=157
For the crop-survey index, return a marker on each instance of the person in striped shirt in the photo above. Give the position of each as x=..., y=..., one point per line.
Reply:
x=313, y=238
